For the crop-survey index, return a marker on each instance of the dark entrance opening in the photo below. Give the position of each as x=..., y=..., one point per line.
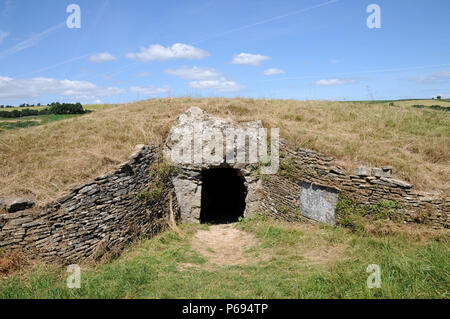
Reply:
x=223, y=196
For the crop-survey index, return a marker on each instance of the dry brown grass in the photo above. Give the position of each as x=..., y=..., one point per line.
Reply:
x=411, y=232
x=11, y=262
x=42, y=161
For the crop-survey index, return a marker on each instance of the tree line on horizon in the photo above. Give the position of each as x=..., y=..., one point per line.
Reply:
x=53, y=108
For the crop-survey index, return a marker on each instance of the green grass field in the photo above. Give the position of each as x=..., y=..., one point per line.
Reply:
x=90, y=107
x=290, y=261
x=24, y=122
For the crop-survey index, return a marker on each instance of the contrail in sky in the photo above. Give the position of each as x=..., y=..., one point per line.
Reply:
x=268, y=20
x=58, y=64
x=31, y=41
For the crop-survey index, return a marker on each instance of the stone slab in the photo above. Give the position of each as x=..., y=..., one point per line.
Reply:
x=13, y=205
x=318, y=202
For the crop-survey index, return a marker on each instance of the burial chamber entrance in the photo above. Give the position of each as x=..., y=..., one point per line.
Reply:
x=223, y=196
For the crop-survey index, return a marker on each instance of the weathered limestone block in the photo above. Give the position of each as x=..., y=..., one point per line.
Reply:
x=318, y=203
x=397, y=182
x=379, y=172
x=13, y=205
x=337, y=170
x=189, y=197
x=363, y=171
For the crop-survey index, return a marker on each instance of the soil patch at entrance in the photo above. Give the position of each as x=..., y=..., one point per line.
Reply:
x=224, y=245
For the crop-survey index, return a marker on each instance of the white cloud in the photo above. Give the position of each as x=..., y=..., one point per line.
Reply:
x=273, y=71
x=160, y=53
x=35, y=87
x=102, y=57
x=334, y=61
x=149, y=90
x=336, y=81
x=220, y=85
x=3, y=35
x=205, y=78
x=194, y=73
x=249, y=59
x=434, y=78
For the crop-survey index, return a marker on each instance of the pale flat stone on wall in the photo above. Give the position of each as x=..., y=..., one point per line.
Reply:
x=12, y=205
x=363, y=171
x=379, y=172
x=318, y=203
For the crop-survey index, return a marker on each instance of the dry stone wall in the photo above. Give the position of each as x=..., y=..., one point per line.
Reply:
x=93, y=218
x=370, y=186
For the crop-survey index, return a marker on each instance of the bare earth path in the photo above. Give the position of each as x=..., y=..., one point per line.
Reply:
x=224, y=245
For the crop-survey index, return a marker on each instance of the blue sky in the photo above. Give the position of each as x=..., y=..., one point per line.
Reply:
x=304, y=49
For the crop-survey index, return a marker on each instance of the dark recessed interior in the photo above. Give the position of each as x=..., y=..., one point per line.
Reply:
x=223, y=196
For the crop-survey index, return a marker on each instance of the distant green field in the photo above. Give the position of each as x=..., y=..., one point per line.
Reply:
x=404, y=101
x=9, y=124
x=10, y=109
x=28, y=121
x=89, y=107
x=386, y=101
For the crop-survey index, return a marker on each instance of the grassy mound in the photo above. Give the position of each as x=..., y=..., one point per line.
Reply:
x=41, y=161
